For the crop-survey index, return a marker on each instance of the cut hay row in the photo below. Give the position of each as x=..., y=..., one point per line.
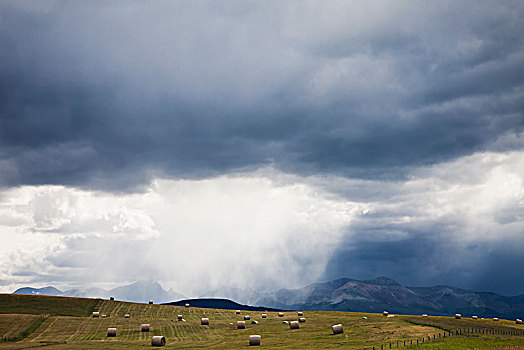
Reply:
x=80, y=330
x=12, y=325
x=15, y=328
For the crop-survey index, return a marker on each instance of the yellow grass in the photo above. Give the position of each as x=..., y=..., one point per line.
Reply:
x=85, y=332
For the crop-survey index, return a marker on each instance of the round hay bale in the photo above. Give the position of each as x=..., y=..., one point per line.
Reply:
x=241, y=324
x=247, y=317
x=495, y=319
x=180, y=317
x=254, y=340
x=96, y=314
x=111, y=298
x=126, y=316
x=285, y=322
x=364, y=318
x=237, y=312
x=337, y=329
x=280, y=314
x=264, y=315
x=458, y=316
x=158, y=340
x=254, y=322
x=104, y=316
x=385, y=313
x=150, y=301
x=300, y=313
x=111, y=332
x=144, y=327
x=518, y=321
x=474, y=317
x=424, y=315
x=388, y=316
x=204, y=321
x=187, y=305
x=302, y=319
x=294, y=325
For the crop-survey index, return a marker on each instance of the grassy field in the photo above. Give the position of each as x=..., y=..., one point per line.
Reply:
x=39, y=304
x=11, y=325
x=70, y=326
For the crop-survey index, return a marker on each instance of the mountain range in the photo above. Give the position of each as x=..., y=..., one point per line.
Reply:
x=381, y=294
x=141, y=291
x=339, y=295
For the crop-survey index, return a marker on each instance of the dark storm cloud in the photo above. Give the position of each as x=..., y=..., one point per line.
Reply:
x=388, y=105
x=108, y=94
x=433, y=259
x=458, y=223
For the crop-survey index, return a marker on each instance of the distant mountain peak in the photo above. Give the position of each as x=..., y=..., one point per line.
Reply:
x=383, y=281
x=139, y=291
x=38, y=291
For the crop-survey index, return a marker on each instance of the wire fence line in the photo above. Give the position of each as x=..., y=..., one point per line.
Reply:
x=445, y=334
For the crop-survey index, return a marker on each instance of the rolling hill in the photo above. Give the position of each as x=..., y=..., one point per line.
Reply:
x=34, y=321
x=217, y=303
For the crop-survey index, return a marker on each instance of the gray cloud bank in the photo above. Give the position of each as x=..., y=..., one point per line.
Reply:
x=104, y=95
x=400, y=108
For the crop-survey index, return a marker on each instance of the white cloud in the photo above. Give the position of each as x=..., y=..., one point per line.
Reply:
x=262, y=229
x=191, y=234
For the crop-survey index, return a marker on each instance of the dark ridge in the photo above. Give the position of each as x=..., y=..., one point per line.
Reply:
x=225, y=304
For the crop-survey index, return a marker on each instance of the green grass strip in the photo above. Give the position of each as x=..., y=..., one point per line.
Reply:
x=25, y=333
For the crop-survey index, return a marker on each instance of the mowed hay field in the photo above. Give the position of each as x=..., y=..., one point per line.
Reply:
x=69, y=325
x=11, y=325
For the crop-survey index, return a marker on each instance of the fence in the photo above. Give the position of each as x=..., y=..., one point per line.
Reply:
x=442, y=335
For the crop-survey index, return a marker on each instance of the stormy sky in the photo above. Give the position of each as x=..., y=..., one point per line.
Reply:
x=261, y=144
